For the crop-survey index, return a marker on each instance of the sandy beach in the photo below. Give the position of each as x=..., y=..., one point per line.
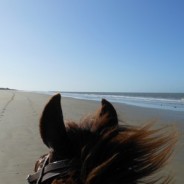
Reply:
x=21, y=145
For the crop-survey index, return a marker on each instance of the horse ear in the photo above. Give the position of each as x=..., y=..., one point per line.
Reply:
x=107, y=116
x=52, y=128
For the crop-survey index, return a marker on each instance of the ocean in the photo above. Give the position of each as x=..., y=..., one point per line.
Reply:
x=169, y=101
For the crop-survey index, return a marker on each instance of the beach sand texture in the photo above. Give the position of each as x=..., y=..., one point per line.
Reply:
x=21, y=145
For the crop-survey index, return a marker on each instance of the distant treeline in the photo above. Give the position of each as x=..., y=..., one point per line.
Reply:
x=5, y=89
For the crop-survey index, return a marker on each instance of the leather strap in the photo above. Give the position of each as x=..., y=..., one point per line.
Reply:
x=50, y=171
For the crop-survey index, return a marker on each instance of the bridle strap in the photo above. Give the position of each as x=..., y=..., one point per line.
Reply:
x=42, y=170
x=50, y=171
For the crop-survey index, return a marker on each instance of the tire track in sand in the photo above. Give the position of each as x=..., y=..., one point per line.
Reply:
x=6, y=105
x=31, y=104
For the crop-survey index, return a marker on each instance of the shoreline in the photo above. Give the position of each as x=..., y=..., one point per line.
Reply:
x=163, y=101
x=131, y=113
x=19, y=122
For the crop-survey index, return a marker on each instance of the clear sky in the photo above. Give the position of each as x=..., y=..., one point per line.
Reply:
x=92, y=45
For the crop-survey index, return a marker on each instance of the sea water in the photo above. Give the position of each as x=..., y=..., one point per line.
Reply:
x=169, y=101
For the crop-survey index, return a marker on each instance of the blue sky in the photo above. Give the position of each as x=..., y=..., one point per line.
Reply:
x=92, y=45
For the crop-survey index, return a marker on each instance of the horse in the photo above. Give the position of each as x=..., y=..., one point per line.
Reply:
x=99, y=149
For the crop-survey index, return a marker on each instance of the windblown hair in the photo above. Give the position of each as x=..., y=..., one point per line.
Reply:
x=106, y=152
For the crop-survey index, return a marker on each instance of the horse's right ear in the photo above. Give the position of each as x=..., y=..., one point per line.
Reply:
x=52, y=128
x=106, y=116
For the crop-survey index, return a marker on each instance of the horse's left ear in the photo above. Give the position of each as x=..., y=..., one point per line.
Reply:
x=52, y=128
x=107, y=115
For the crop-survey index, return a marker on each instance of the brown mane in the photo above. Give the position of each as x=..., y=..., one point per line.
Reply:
x=106, y=152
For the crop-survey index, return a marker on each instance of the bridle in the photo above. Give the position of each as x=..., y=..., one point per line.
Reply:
x=51, y=170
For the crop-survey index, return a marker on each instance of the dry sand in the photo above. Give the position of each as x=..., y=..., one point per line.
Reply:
x=20, y=143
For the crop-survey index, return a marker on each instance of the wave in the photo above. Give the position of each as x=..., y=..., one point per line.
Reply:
x=163, y=101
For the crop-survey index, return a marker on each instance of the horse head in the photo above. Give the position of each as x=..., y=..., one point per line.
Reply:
x=99, y=149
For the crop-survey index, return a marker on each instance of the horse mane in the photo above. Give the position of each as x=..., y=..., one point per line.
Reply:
x=110, y=152
x=122, y=154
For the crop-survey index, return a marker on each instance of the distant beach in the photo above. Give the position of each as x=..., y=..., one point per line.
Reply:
x=21, y=144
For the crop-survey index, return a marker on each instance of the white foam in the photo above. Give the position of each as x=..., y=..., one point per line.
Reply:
x=150, y=102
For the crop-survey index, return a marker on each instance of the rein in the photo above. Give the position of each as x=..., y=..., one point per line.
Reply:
x=50, y=171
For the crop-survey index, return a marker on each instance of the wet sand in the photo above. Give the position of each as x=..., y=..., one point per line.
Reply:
x=20, y=143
